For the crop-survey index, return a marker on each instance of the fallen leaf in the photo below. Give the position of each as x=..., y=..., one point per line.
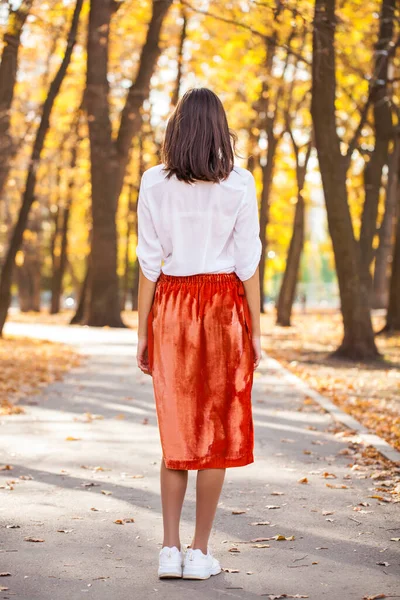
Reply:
x=6, y=468
x=383, y=564
x=94, y=509
x=279, y=537
x=239, y=512
x=261, y=523
x=302, y=480
x=395, y=539
x=338, y=486
x=328, y=512
x=256, y=540
x=277, y=493
x=329, y=475
x=71, y=438
x=233, y=549
x=106, y=492
x=273, y=597
x=260, y=546
x=5, y=574
x=123, y=521
x=33, y=539
x=64, y=530
x=271, y=506
x=231, y=570
x=3, y=589
x=13, y=526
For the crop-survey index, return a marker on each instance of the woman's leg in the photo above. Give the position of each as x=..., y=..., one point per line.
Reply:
x=173, y=489
x=208, y=489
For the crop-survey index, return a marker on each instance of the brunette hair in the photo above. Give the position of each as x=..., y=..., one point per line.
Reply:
x=198, y=144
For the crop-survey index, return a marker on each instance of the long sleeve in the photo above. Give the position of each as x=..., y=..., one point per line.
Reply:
x=148, y=249
x=246, y=234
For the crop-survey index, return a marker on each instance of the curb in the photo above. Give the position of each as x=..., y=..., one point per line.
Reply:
x=337, y=413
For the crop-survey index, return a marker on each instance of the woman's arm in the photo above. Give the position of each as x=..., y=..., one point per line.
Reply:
x=247, y=251
x=149, y=255
x=252, y=290
x=145, y=300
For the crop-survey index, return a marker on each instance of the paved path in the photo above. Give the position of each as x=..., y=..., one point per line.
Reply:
x=113, y=467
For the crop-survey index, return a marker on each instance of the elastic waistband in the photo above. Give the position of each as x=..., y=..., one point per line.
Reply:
x=200, y=277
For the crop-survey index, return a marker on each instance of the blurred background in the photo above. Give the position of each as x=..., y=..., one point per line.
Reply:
x=85, y=92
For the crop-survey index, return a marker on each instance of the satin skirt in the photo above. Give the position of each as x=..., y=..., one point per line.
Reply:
x=201, y=362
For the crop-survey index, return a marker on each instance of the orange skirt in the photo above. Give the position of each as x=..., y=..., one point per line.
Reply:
x=201, y=361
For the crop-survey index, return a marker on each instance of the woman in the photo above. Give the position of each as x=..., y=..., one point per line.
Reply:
x=199, y=316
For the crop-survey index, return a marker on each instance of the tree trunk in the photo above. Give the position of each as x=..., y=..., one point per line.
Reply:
x=180, y=59
x=60, y=261
x=267, y=122
x=56, y=218
x=267, y=177
x=130, y=218
x=358, y=342
x=29, y=193
x=109, y=159
x=104, y=306
x=8, y=77
x=82, y=303
x=287, y=292
x=383, y=133
x=386, y=232
x=393, y=314
x=136, y=271
x=131, y=120
x=28, y=277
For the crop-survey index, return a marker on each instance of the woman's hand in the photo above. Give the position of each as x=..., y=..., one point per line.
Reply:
x=142, y=355
x=256, y=340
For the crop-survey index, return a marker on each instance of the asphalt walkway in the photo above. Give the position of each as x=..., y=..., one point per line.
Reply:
x=85, y=461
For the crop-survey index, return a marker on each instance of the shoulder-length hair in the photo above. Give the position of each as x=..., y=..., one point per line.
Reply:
x=198, y=144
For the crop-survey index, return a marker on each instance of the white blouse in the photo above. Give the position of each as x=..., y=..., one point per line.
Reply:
x=204, y=227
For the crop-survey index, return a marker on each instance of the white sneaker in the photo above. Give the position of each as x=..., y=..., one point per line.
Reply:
x=170, y=562
x=198, y=565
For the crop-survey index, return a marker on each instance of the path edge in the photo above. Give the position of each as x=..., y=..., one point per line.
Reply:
x=337, y=413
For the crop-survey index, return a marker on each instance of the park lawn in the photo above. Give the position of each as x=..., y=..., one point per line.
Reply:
x=369, y=392
x=27, y=365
